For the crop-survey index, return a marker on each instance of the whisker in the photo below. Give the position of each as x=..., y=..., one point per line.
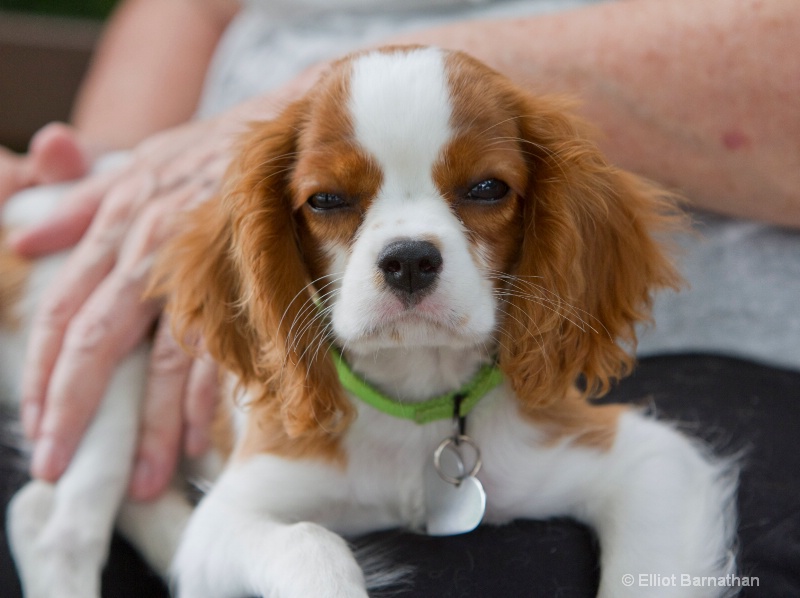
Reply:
x=323, y=342
x=316, y=342
x=301, y=291
x=555, y=304
x=556, y=300
x=317, y=313
x=525, y=326
x=311, y=317
x=558, y=160
x=552, y=305
x=309, y=306
x=536, y=337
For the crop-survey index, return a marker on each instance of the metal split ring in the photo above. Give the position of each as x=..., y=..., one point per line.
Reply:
x=453, y=443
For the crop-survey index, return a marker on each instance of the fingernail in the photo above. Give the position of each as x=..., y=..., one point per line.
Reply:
x=142, y=479
x=30, y=419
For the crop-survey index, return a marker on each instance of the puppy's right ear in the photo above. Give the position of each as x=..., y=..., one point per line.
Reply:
x=196, y=274
x=238, y=279
x=200, y=272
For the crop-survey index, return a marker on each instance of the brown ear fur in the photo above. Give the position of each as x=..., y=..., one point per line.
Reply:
x=196, y=273
x=238, y=277
x=589, y=256
x=14, y=272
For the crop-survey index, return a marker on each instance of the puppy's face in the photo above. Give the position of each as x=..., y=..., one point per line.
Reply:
x=417, y=198
x=408, y=193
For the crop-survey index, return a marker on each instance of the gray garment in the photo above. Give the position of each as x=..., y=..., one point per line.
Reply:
x=744, y=278
x=262, y=49
x=743, y=295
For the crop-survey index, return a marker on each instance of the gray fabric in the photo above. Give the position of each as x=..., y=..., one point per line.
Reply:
x=744, y=277
x=263, y=49
x=743, y=295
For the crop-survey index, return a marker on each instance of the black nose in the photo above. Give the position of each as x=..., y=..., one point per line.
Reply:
x=410, y=267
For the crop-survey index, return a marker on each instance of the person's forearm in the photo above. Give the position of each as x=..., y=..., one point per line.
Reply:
x=149, y=68
x=697, y=95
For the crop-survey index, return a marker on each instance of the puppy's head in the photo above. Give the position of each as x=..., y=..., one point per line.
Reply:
x=417, y=198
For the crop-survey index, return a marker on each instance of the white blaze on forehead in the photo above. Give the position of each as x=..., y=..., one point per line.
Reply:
x=400, y=106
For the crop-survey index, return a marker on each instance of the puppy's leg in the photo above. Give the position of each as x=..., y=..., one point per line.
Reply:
x=60, y=532
x=155, y=527
x=240, y=541
x=663, y=511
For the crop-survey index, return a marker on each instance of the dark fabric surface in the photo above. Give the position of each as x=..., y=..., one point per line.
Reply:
x=738, y=406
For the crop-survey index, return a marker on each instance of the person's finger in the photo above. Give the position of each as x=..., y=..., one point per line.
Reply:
x=109, y=325
x=57, y=154
x=160, y=438
x=75, y=214
x=85, y=269
x=205, y=160
x=114, y=184
x=162, y=427
x=110, y=322
x=200, y=405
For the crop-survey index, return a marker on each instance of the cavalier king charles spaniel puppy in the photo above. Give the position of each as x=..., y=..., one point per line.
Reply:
x=415, y=279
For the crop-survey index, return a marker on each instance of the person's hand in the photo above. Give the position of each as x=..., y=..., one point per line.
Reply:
x=93, y=314
x=56, y=154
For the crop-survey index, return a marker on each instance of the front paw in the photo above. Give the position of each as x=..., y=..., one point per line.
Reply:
x=317, y=562
x=270, y=559
x=55, y=557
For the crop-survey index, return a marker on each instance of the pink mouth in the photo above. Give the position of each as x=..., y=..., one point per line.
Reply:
x=428, y=311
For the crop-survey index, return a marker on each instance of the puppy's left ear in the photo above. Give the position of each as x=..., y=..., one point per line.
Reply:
x=591, y=258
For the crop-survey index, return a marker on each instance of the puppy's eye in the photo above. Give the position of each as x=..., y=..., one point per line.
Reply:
x=326, y=201
x=489, y=190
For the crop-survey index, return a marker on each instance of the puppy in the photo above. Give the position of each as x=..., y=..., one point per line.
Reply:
x=415, y=279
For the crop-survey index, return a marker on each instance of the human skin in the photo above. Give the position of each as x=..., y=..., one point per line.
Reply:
x=136, y=89
x=695, y=95
x=146, y=76
x=132, y=91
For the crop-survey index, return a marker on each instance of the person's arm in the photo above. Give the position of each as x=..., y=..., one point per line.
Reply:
x=148, y=70
x=699, y=96
x=146, y=76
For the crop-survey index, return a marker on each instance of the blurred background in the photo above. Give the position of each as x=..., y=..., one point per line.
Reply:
x=44, y=50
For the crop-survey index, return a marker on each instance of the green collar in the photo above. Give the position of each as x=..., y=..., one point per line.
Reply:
x=441, y=407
